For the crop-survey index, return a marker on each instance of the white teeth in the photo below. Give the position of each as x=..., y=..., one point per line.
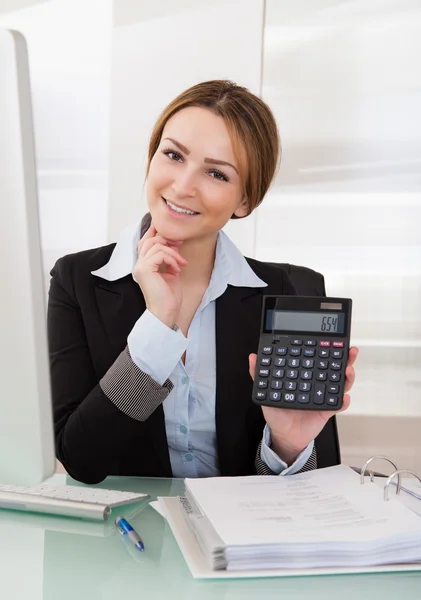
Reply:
x=180, y=210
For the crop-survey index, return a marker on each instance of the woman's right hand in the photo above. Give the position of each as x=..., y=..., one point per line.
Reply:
x=157, y=273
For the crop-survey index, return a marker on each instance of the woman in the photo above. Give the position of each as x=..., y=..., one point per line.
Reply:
x=153, y=340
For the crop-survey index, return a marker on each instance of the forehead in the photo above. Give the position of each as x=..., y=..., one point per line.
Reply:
x=202, y=132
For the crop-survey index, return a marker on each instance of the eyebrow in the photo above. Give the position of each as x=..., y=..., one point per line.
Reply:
x=213, y=161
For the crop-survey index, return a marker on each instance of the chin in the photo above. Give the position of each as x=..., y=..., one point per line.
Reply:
x=168, y=230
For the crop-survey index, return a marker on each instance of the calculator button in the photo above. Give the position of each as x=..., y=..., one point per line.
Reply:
x=278, y=373
x=266, y=360
x=310, y=343
x=293, y=362
x=281, y=351
x=296, y=342
x=267, y=350
x=335, y=377
x=260, y=395
x=332, y=400
x=336, y=365
x=319, y=393
x=276, y=384
x=295, y=351
x=337, y=354
x=292, y=373
x=333, y=389
x=324, y=344
x=322, y=364
x=323, y=353
x=308, y=363
x=309, y=352
x=280, y=362
x=304, y=398
x=263, y=372
x=262, y=383
x=338, y=344
x=304, y=386
x=321, y=376
x=275, y=396
x=290, y=385
x=306, y=374
x=288, y=397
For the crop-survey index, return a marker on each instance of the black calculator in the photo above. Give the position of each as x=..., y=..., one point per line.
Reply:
x=303, y=352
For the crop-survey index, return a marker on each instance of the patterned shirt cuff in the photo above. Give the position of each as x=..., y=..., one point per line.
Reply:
x=146, y=341
x=131, y=390
x=276, y=464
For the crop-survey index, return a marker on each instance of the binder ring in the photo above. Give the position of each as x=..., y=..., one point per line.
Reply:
x=397, y=472
x=398, y=489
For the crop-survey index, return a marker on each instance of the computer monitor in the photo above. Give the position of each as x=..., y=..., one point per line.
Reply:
x=26, y=430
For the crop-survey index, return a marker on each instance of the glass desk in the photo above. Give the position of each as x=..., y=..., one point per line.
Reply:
x=50, y=558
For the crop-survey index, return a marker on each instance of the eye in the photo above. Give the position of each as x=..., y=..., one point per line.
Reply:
x=172, y=154
x=218, y=175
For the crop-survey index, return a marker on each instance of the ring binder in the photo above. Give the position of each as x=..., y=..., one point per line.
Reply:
x=380, y=456
x=392, y=476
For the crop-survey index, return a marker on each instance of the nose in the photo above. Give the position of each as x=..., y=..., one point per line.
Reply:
x=184, y=184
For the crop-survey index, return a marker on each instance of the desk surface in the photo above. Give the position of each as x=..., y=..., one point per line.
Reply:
x=47, y=557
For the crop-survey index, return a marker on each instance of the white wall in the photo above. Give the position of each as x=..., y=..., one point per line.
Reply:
x=160, y=49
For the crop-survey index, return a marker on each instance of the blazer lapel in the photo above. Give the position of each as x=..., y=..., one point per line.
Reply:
x=237, y=335
x=120, y=304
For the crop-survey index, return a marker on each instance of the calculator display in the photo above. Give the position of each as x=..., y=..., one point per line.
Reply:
x=317, y=322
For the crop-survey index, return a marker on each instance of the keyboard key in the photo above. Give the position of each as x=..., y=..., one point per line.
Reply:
x=304, y=386
x=296, y=342
x=267, y=350
x=278, y=373
x=324, y=343
x=319, y=393
x=263, y=372
x=281, y=351
x=293, y=362
x=260, y=395
x=323, y=353
x=321, y=376
x=332, y=400
x=308, y=363
x=295, y=351
x=304, y=398
x=265, y=361
x=310, y=343
x=288, y=397
x=292, y=373
x=306, y=375
x=333, y=389
x=322, y=364
x=336, y=365
x=276, y=384
x=338, y=344
x=309, y=352
x=335, y=377
x=275, y=396
x=262, y=383
x=280, y=362
x=290, y=385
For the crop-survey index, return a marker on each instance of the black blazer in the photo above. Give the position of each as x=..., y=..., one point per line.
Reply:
x=89, y=319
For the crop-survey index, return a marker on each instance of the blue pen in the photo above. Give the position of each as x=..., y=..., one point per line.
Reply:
x=125, y=528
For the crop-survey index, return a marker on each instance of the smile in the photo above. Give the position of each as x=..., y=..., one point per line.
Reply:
x=179, y=209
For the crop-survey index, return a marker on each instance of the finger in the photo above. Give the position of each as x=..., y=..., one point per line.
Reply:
x=353, y=353
x=172, y=267
x=252, y=365
x=157, y=248
x=349, y=378
x=145, y=245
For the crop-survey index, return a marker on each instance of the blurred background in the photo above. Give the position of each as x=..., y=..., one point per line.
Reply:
x=344, y=80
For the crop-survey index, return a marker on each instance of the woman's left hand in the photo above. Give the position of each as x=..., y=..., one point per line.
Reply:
x=292, y=430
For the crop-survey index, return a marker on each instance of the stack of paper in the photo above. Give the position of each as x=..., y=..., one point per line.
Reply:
x=322, y=518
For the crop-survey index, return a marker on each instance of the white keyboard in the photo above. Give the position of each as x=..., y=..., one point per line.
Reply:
x=68, y=500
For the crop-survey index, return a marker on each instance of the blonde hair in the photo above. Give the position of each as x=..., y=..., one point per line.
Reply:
x=251, y=125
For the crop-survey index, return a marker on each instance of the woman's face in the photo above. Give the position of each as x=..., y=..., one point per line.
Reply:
x=193, y=185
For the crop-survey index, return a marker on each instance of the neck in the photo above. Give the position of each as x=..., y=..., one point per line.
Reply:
x=200, y=255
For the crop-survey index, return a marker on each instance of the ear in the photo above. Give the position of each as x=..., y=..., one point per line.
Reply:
x=242, y=209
